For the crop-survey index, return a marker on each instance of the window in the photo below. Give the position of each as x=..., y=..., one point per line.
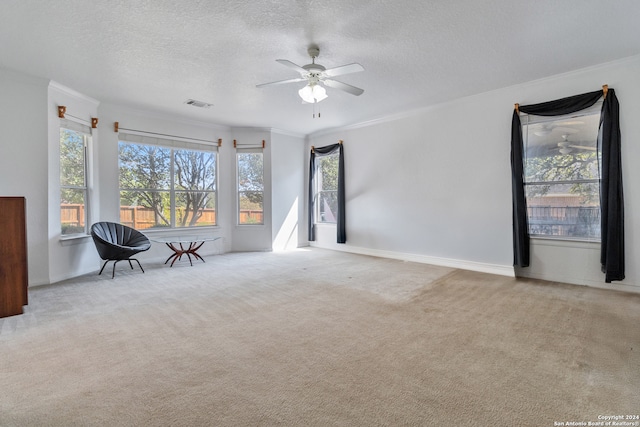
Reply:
x=327, y=188
x=562, y=175
x=250, y=186
x=74, y=142
x=166, y=186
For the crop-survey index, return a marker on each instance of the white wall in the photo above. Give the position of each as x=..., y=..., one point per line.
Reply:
x=23, y=160
x=434, y=185
x=288, y=191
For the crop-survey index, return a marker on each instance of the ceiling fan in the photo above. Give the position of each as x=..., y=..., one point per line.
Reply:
x=566, y=147
x=317, y=75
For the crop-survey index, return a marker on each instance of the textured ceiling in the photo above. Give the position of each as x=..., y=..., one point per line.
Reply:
x=155, y=54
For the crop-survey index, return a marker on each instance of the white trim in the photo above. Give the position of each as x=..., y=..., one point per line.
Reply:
x=67, y=275
x=22, y=77
x=84, y=124
x=163, y=137
x=269, y=130
x=501, y=270
x=624, y=287
x=569, y=74
x=519, y=86
x=288, y=133
x=249, y=150
x=124, y=110
x=68, y=91
x=73, y=239
x=565, y=243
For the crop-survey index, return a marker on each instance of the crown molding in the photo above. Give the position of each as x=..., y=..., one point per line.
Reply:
x=524, y=85
x=73, y=93
x=23, y=77
x=153, y=114
x=288, y=133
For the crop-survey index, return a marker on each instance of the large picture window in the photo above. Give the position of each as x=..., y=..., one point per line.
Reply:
x=74, y=142
x=166, y=186
x=250, y=164
x=562, y=175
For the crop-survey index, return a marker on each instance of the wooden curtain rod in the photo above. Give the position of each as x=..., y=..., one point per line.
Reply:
x=235, y=144
x=117, y=128
x=62, y=113
x=517, y=107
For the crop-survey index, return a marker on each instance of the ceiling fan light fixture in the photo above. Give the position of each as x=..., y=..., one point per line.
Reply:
x=312, y=93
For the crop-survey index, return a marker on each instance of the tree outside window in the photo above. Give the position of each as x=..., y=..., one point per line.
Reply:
x=327, y=188
x=562, y=175
x=73, y=181
x=250, y=187
x=166, y=187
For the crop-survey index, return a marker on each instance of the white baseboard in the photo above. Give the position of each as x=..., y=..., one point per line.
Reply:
x=62, y=277
x=501, y=270
x=624, y=287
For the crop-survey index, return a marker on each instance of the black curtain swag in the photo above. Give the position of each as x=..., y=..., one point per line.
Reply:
x=611, y=197
x=340, y=220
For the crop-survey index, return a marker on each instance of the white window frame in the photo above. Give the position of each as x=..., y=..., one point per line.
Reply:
x=85, y=130
x=318, y=187
x=529, y=120
x=139, y=138
x=240, y=151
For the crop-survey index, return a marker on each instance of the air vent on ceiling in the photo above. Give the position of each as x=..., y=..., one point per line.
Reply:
x=199, y=104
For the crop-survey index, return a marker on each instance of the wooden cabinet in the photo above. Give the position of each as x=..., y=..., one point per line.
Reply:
x=13, y=256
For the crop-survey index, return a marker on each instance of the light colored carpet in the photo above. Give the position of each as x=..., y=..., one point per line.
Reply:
x=317, y=338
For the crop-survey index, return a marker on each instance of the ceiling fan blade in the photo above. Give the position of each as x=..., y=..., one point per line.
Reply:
x=343, y=86
x=279, y=82
x=583, y=147
x=343, y=69
x=293, y=66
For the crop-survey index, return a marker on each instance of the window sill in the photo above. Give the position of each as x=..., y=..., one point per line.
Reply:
x=565, y=243
x=179, y=231
x=73, y=239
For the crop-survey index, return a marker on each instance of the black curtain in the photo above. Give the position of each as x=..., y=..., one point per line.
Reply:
x=340, y=220
x=611, y=198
